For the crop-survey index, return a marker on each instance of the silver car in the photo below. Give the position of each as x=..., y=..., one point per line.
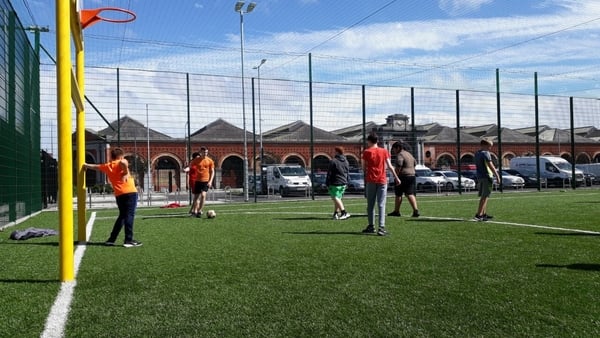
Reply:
x=452, y=180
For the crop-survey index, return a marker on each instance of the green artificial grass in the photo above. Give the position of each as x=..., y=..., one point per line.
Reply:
x=281, y=269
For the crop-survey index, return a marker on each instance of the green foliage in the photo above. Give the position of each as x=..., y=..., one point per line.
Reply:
x=286, y=269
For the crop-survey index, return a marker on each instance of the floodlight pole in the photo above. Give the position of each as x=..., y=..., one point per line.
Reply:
x=239, y=8
x=262, y=62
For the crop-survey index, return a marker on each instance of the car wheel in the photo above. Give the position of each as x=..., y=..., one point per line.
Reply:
x=449, y=186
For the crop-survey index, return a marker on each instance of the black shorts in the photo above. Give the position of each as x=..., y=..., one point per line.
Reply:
x=200, y=187
x=406, y=186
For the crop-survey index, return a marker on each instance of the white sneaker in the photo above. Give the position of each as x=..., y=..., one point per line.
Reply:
x=335, y=216
x=344, y=216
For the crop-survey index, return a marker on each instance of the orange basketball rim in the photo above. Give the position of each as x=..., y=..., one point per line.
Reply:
x=91, y=16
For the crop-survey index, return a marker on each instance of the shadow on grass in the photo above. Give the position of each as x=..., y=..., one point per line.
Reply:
x=433, y=220
x=319, y=232
x=568, y=234
x=314, y=218
x=27, y=281
x=25, y=242
x=575, y=266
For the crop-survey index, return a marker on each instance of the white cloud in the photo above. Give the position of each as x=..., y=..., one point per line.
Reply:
x=461, y=7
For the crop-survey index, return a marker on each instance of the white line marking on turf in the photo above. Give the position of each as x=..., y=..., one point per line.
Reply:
x=546, y=227
x=57, y=319
x=521, y=225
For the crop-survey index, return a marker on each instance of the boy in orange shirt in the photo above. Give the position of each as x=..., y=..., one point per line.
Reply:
x=126, y=195
x=205, y=173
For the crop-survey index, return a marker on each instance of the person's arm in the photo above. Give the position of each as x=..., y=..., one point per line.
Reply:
x=211, y=177
x=391, y=168
x=87, y=166
x=491, y=166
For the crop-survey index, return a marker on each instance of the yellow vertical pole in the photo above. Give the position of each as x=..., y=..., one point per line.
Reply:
x=65, y=155
x=80, y=146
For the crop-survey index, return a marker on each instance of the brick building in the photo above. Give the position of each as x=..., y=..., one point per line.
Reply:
x=433, y=145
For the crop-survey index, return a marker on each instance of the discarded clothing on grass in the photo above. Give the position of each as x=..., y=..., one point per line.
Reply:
x=31, y=233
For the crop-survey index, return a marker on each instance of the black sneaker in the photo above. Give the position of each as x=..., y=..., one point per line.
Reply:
x=369, y=230
x=335, y=216
x=478, y=218
x=394, y=214
x=486, y=216
x=381, y=232
x=416, y=213
x=132, y=244
x=199, y=215
x=344, y=215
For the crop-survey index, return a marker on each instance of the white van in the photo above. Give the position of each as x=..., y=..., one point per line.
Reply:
x=556, y=170
x=288, y=179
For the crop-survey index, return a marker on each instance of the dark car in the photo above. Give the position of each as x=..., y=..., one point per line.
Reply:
x=319, y=185
x=530, y=182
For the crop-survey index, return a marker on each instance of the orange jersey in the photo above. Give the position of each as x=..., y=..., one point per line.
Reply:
x=115, y=175
x=203, y=167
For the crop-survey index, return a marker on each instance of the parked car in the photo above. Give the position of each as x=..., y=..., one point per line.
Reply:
x=589, y=179
x=511, y=181
x=356, y=183
x=426, y=180
x=319, y=184
x=452, y=180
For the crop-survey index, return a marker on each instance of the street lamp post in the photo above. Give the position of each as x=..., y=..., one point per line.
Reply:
x=262, y=62
x=239, y=8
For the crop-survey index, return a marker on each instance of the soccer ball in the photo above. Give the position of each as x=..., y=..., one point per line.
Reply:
x=211, y=214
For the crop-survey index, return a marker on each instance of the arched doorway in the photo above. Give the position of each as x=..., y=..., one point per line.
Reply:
x=293, y=159
x=321, y=163
x=166, y=174
x=137, y=168
x=582, y=158
x=232, y=172
x=445, y=161
x=352, y=161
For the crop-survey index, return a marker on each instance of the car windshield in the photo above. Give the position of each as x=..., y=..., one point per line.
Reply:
x=292, y=171
x=563, y=165
x=356, y=176
x=320, y=178
x=450, y=174
x=425, y=173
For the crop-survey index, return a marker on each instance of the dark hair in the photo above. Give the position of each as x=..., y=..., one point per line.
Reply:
x=373, y=138
x=339, y=150
x=203, y=148
x=116, y=153
x=195, y=154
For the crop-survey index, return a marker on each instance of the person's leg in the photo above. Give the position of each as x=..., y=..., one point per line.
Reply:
x=202, y=199
x=381, y=199
x=412, y=199
x=122, y=205
x=131, y=202
x=371, y=191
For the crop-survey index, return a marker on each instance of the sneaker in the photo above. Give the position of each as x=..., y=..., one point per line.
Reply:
x=486, y=216
x=478, y=218
x=109, y=243
x=381, y=232
x=344, y=215
x=132, y=244
x=199, y=215
x=416, y=213
x=394, y=214
x=192, y=214
x=335, y=216
x=369, y=230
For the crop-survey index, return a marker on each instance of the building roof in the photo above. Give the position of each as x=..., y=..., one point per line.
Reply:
x=443, y=134
x=131, y=130
x=299, y=131
x=220, y=130
x=561, y=136
x=509, y=136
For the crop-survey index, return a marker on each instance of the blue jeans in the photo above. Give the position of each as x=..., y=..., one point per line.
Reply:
x=127, y=204
x=375, y=192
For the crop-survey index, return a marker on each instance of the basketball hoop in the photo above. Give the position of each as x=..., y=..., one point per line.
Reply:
x=89, y=17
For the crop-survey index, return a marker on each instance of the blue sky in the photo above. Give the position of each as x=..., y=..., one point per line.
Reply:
x=448, y=44
x=550, y=37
